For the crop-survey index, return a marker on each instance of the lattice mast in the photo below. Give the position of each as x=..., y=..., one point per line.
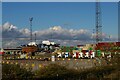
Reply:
x=98, y=22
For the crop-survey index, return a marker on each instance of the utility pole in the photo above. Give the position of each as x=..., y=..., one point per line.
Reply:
x=35, y=37
x=93, y=35
x=31, y=19
x=109, y=37
x=98, y=22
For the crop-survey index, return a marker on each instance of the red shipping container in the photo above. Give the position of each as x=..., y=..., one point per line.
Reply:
x=77, y=54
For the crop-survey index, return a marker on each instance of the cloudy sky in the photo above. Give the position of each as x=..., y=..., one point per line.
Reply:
x=59, y=0
x=65, y=23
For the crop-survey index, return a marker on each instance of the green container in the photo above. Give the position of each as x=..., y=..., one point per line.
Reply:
x=90, y=48
x=10, y=52
x=107, y=53
x=80, y=49
x=98, y=53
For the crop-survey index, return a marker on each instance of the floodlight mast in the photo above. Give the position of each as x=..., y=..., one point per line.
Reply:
x=31, y=19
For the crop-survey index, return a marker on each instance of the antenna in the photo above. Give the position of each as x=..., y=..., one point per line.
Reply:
x=31, y=19
x=98, y=22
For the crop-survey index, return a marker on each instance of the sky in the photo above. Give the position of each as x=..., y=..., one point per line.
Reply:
x=65, y=15
x=59, y=0
x=68, y=15
x=0, y=24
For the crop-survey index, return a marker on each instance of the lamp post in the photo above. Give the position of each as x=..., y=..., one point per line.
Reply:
x=31, y=19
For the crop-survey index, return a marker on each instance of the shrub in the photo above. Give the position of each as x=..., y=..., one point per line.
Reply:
x=14, y=71
x=55, y=72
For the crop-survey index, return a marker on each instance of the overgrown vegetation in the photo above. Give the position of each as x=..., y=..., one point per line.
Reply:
x=54, y=71
x=13, y=71
x=59, y=72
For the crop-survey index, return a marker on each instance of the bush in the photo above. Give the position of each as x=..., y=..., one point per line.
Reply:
x=55, y=72
x=14, y=71
x=58, y=72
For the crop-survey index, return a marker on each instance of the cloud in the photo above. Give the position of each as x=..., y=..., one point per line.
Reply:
x=25, y=32
x=8, y=26
x=57, y=32
x=11, y=33
x=11, y=43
